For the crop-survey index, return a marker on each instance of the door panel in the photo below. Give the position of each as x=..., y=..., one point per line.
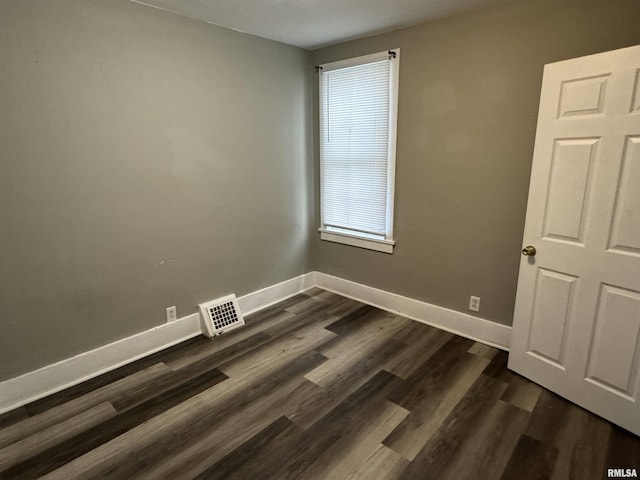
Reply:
x=582, y=96
x=635, y=104
x=551, y=311
x=576, y=324
x=613, y=355
x=625, y=232
x=568, y=188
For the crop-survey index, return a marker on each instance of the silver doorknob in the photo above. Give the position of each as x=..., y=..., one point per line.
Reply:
x=529, y=251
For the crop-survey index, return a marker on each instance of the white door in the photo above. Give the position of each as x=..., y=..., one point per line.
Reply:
x=576, y=326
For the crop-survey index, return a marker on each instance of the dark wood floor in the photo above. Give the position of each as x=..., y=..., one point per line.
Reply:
x=317, y=387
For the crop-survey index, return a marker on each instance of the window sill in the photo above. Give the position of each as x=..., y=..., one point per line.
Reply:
x=385, y=246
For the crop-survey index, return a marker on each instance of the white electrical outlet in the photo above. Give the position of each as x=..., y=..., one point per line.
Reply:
x=172, y=314
x=474, y=303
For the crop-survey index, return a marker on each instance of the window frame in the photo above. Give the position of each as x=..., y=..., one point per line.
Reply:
x=352, y=238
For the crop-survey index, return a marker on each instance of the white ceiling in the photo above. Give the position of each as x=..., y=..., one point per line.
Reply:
x=312, y=24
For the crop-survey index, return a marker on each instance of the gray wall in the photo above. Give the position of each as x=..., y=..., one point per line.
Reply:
x=468, y=101
x=146, y=160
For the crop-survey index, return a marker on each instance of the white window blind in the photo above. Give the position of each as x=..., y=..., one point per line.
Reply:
x=357, y=129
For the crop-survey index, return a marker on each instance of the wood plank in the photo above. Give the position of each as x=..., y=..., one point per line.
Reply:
x=582, y=447
x=105, y=431
x=436, y=405
x=549, y=419
x=235, y=341
x=343, y=355
x=183, y=424
x=483, y=350
x=246, y=461
x=36, y=443
x=436, y=455
x=309, y=305
x=522, y=393
x=623, y=450
x=484, y=452
x=347, y=453
x=353, y=320
x=531, y=459
x=13, y=416
x=344, y=306
x=422, y=382
x=382, y=464
x=277, y=351
x=316, y=319
x=315, y=402
x=229, y=426
x=224, y=438
x=498, y=367
x=415, y=332
x=67, y=410
x=144, y=391
x=418, y=351
x=376, y=326
x=293, y=458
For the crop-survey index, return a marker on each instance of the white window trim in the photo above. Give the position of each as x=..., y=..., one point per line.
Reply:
x=386, y=245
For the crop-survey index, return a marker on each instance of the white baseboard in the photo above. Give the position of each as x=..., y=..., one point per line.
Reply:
x=37, y=384
x=47, y=380
x=266, y=297
x=462, y=324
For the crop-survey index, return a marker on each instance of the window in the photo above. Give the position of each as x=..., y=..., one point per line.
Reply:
x=358, y=110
